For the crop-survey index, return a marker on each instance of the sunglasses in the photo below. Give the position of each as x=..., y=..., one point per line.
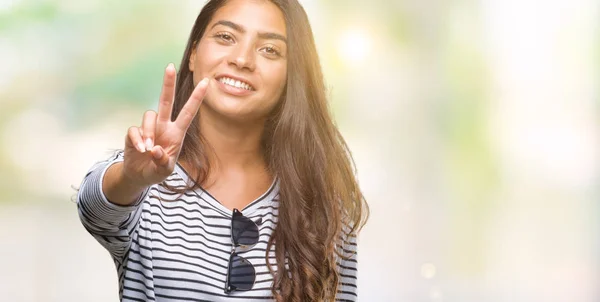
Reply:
x=241, y=273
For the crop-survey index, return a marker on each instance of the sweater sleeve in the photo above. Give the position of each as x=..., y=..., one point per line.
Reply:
x=111, y=225
x=347, y=268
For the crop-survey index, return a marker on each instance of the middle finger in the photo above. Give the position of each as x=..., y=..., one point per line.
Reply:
x=165, y=104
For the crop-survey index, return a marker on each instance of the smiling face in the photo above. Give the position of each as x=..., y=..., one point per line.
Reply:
x=243, y=51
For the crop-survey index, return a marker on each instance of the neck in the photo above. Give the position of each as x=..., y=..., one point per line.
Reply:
x=232, y=145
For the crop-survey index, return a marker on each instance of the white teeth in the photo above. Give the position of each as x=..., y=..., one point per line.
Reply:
x=234, y=83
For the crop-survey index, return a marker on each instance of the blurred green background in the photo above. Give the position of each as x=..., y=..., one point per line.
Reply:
x=475, y=126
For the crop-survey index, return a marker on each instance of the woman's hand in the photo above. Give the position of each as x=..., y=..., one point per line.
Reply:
x=151, y=151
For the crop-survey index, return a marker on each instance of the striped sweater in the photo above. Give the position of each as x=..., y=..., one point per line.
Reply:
x=168, y=247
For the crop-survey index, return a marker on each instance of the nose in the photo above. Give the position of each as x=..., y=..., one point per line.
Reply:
x=243, y=57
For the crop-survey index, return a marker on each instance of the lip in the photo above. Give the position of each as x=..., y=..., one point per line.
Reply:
x=234, y=90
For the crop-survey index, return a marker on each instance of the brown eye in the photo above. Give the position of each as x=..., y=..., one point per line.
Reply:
x=224, y=36
x=270, y=50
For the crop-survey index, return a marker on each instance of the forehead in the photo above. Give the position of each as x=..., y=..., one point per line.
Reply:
x=253, y=15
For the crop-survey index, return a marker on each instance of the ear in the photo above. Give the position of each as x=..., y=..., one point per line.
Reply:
x=192, y=57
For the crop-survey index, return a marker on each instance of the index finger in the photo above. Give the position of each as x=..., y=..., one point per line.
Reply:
x=165, y=104
x=189, y=110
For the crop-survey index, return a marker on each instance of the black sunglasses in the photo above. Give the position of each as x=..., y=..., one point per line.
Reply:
x=241, y=273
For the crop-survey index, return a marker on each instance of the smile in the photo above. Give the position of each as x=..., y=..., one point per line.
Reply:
x=235, y=83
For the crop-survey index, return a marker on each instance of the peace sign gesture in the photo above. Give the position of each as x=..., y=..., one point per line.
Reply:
x=152, y=150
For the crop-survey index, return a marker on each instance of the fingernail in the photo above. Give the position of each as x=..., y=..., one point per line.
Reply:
x=149, y=144
x=141, y=147
x=204, y=82
x=170, y=66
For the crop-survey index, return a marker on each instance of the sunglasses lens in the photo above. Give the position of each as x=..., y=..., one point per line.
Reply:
x=243, y=230
x=241, y=274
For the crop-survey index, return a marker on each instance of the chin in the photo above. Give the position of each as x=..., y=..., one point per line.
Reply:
x=232, y=109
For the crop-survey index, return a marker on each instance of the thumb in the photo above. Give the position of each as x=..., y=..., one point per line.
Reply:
x=160, y=157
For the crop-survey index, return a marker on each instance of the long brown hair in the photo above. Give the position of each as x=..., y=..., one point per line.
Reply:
x=320, y=200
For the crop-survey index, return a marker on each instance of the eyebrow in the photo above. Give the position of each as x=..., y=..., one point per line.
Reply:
x=239, y=28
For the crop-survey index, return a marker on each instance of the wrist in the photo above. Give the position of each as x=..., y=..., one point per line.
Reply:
x=127, y=180
x=119, y=188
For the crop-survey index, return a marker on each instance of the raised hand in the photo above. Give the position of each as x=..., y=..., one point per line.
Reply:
x=151, y=151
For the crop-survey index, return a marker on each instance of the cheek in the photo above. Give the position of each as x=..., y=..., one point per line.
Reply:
x=278, y=78
x=208, y=58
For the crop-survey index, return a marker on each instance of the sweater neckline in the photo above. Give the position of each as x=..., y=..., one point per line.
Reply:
x=264, y=199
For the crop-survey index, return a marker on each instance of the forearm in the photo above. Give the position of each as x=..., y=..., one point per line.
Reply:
x=110, y=223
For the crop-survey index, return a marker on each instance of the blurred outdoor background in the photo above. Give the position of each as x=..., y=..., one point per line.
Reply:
x=475, y=126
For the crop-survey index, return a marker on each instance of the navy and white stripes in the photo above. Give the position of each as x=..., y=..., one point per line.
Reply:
x=168, y=247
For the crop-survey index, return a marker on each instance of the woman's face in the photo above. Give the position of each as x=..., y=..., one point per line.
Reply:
x=243, y=51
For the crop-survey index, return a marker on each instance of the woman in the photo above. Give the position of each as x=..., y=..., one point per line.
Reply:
x=240, y=186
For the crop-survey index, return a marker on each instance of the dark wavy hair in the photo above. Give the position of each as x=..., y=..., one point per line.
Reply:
x=320, y=200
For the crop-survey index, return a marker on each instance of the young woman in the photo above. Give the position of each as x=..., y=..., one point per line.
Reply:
x=240, y=187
